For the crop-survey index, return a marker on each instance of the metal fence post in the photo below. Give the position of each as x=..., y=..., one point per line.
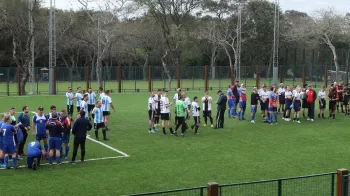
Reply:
x=120, y=78
x=213, y=189
x=8, y=81
x=18, y=80
x=340, y=184
x=54, y=81
x=149, y=78
x=178, y=76
x=206, y=77
x=279, y=187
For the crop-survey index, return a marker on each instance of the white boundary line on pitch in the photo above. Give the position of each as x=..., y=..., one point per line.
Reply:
x=66, y=162
x=107, y=146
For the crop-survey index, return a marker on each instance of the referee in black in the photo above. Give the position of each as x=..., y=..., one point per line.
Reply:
x=220, y=115
x=80, y=129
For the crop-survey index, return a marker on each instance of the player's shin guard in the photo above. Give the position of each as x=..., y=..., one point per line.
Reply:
x=58, y=159
x=46, y=147
x=229, y=113
x=242, y=114
x=50, y=159
x=196, y=129
x=6, y=160
x=171, y=130
x=270, y=115
x=104, y=134
x=61, y=151
x=276, y=117
x=14, y=161
x=67, y=150
x=233, y=112
x=96, y=133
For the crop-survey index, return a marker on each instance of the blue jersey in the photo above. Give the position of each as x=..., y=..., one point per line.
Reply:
x=1, y=123
x=273, y=97
x=91, y=100
x=34, y=149
x=68, y=100
x=40, y=124
x=98, y=112
x=7, y=132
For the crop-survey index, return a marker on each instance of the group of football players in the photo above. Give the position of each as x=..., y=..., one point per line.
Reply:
x=53, y=128
x=273, y=100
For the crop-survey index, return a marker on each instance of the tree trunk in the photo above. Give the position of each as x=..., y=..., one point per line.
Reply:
x=144, y=69
x=166, y=70
x=24, y=79
x=99, y=72
x=212, y=62
x=335, y=58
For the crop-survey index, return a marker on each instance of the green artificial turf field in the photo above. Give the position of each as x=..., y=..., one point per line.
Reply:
x=240, y=152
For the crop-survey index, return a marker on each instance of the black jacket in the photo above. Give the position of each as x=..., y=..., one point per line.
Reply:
x=222, y=102
x=81, y=127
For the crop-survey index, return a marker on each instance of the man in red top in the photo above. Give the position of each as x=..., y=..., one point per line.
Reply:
x=310, y=98
x=340, y=91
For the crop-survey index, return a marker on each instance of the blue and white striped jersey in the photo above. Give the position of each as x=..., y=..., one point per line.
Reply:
x=91, y=100
x=79, y=97
x=68, y=96
x=84, y=106
x=106, y=101
x=98, y=112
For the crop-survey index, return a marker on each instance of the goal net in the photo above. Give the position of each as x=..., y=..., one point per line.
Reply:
x=332, y=76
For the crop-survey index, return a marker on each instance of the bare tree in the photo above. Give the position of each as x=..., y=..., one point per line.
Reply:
x=326, y=27
x=170, y=16
x=106, y=20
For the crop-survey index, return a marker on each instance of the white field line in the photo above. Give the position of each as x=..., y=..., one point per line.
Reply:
x=107, y=146
x=65, y=162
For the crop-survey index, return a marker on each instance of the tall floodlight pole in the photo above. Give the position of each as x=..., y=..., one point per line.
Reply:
x=239, y=43
x=52, y=45
x=31, y=30
x=275, y=43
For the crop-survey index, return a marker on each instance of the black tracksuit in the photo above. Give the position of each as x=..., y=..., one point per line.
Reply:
x=220, y=115
x=80, y=129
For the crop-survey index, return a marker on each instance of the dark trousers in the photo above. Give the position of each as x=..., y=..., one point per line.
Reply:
x=181, y=122
x=220, y=116
x=79, y=141
x=311, y=110
x=70, y=110
x=21, y=145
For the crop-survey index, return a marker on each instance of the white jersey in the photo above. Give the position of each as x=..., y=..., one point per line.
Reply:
x=322, y=95
x=187, y=101
x=176, y=97
x=79, y=97
x=164, y=101
x=288, y=94
x=294, y=92
x=68, y=100
x=281, y=91
x=151, y=103
x=84, y=106
x=297, y=96
x=206, y=102
x=264, y=95
x=157, y=98
x=195, y=109
x=106, y=103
